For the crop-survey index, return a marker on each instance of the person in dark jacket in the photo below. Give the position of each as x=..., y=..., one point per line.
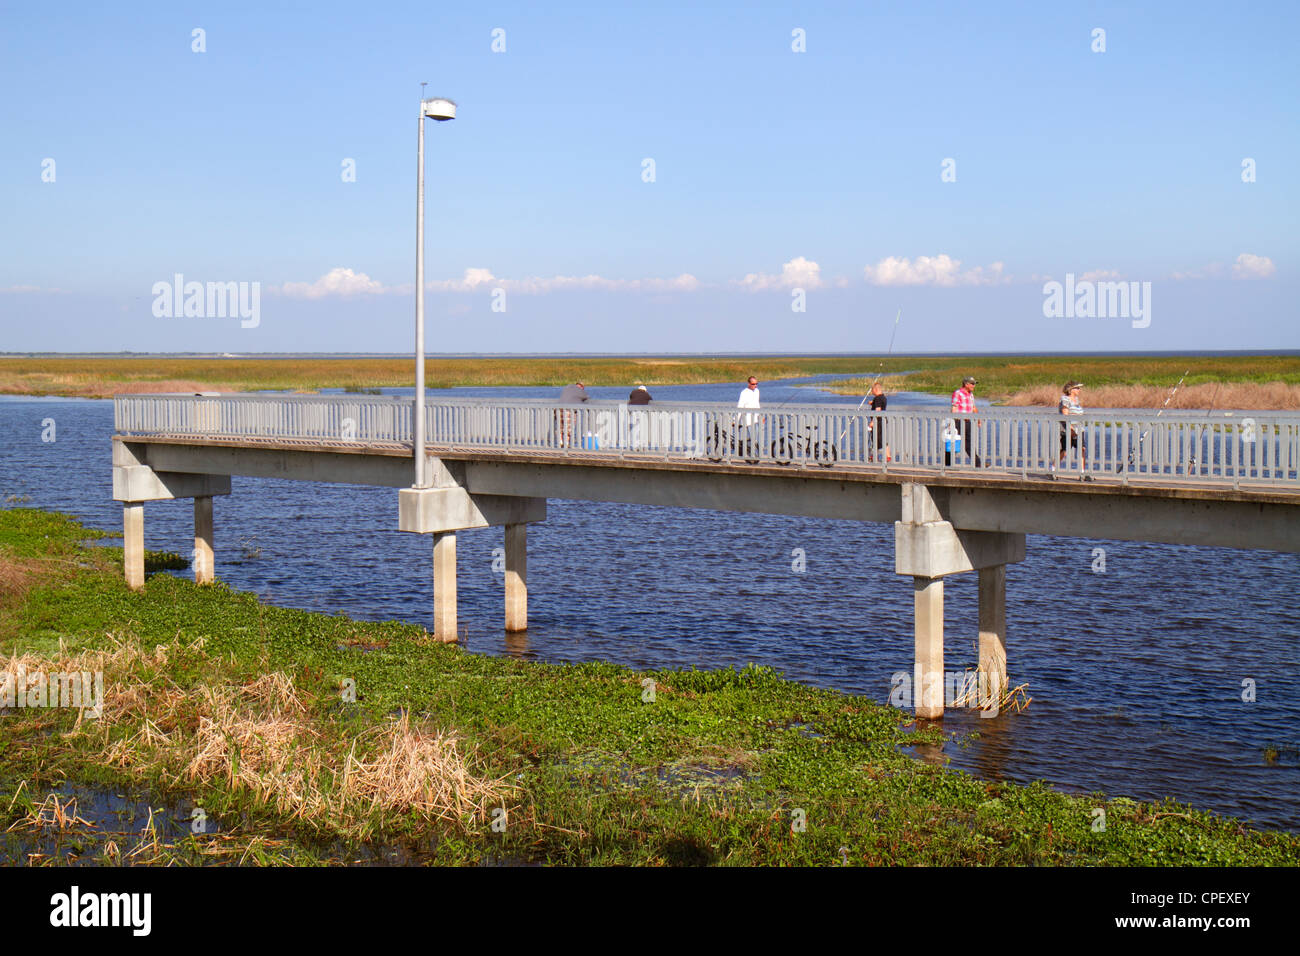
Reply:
x=574, y=394
x=639, y=396
x=877, y=424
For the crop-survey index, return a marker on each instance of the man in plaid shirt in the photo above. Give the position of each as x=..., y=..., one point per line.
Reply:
x=963, y=403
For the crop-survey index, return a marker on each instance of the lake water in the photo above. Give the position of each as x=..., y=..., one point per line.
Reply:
x=1136, y=673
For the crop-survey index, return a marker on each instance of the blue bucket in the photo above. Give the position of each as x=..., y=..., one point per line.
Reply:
x=590, y=442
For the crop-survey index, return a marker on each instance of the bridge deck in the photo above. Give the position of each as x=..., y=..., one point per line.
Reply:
x=1147, y=486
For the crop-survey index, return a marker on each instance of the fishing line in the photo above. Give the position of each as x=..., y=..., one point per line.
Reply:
x=879, y=373
x=1142, y=438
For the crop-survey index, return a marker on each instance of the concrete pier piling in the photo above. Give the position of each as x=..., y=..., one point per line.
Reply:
x=516, y=577
x=928, y=547
x=447, y=507
x=204, y=567
x=444, y=586
x=927, y=678
x=993, y=633
x=133, y=544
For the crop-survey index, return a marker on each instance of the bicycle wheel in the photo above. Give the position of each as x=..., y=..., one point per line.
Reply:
x=714, y=449
x=782, y=452
x=825, y=454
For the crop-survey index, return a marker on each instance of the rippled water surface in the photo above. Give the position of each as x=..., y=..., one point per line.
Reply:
x=1136, y=673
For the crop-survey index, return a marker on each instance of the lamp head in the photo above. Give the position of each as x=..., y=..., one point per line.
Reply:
x=438, y=108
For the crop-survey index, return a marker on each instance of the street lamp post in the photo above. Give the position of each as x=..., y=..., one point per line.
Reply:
x=439, y=109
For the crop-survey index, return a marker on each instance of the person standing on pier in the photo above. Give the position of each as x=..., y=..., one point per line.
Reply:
x=639, y=395
x=963, y=403
x=749, y=398
x=1070, y=405
x=878, y=404
x=566, y=418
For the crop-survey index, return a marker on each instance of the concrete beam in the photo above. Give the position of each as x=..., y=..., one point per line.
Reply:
x=142, y=483
x=384, y=471
x=1210, y=522
x=786, y=494
x=433, y=510
x=936, y=548
x=922, y=504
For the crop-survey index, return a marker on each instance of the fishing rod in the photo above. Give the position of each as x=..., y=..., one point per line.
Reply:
x=880, y=371
x=1142, y=438
x=1214, y=400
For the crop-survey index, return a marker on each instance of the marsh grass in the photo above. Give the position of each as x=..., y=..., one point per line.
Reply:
x=1242, y=381
x=104, y=377
x=215, y=699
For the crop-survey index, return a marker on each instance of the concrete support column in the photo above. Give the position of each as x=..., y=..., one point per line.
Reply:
x=444, y=586
x=516, y=577
x=993, y=633
x=927, y=679
x=204, y=568
x=133, y=544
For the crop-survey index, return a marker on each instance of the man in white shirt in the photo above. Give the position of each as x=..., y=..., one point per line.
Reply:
x=749, y=399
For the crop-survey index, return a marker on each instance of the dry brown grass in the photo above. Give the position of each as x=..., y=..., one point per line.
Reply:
x=16, y=578
x=259, y=739
x=1235, y=395
x=53, y=813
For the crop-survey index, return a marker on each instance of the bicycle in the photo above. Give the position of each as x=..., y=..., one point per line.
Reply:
x=717, y=444
x=787, y=444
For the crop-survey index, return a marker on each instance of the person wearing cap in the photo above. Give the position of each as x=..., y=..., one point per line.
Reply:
x=639, y=395
x=963, y=403
x=1070, y=405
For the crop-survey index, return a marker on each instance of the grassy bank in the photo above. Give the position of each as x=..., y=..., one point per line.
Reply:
x=103, y=377
x=1227, y=381
x=1230, y=381
x=215, y=702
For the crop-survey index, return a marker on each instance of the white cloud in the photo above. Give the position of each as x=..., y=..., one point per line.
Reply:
x=538, y=285
x=337, y=281
x=1099, y=275
x=1249, y=266
x=940, y=270
x=797, y=273
x=343, y=282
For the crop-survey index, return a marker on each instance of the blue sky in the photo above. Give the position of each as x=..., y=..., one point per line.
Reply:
x=774, y=171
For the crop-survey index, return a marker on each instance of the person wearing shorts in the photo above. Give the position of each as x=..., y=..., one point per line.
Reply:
x=1071, y=435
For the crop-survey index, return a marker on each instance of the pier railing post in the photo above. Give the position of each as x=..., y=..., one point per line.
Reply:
x=133, y=544
x=516, y=577
x=204, y=569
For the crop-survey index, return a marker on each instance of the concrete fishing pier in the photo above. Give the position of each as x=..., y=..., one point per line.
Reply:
x=1225, y=480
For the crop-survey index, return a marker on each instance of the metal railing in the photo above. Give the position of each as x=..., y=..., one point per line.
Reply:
x=1223, y=447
